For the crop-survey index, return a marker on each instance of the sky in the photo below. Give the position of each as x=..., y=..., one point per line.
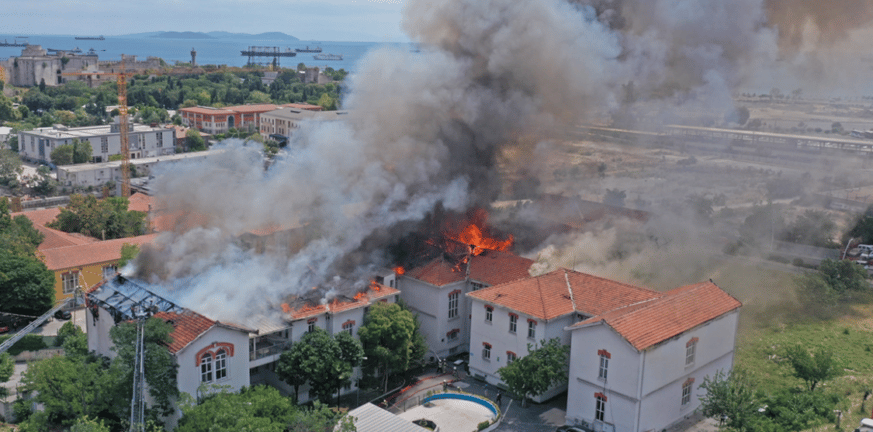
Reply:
x=331, y=20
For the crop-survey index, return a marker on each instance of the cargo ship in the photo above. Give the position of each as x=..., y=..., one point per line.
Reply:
x=14, y=43
x=90, y=38
x=328, y=56
x=308, y=50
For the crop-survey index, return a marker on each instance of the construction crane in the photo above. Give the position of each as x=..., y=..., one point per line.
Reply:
x=121, y=77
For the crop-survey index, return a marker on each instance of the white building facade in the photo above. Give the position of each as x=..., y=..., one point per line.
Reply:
x=145, y=141
x=639, y=368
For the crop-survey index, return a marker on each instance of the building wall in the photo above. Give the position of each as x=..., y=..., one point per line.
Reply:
x=188, y=359
x=89, y=276
x=153, y=143
x=431, y=303
x=497, y=334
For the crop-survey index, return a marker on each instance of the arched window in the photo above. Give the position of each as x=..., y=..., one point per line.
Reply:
x=220, y=364
x=206, y=368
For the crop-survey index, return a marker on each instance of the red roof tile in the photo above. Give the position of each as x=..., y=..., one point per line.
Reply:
x=140, y=202
x=373, y=293
x=187, y=327
x=650, y=322
x=40, y=217
x=561, y=292
x=491, y=267
x=91, y=253
x=206, y=110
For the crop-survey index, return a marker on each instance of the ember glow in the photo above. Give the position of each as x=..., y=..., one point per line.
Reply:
x=399, y=270
x=474, y=233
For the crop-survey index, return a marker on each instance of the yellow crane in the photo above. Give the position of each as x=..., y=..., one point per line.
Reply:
x=121, y=77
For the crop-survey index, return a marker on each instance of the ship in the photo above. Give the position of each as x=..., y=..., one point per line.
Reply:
x=308, y=50
x=14, y=43
x=90, y=38
x=328, y=56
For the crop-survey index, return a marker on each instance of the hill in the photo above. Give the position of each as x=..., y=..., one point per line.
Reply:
x=183, y=35
x=267, y=35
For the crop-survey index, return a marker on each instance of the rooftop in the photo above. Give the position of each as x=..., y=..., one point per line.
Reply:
x=561, y=292
x=90, y=253
x=301, y=307
x=86, y=131
x=305, y=114
x=490, y=267
x=141, y=161
x=649, y=322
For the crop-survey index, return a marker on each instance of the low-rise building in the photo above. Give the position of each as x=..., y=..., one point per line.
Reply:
x=639, y=367
x=36, y=65
x=98, y=174
x=437, y=292
x=509, y=317
x=279, y=124
x=145, y=141
x=220, y=120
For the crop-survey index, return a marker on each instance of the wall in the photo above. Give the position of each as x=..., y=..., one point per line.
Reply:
x=237, y=365
x=89, y=276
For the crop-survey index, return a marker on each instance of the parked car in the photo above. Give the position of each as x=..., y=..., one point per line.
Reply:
x=63, y=315
x=4, y=328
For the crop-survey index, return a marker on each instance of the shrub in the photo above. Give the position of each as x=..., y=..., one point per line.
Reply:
x=483, y=425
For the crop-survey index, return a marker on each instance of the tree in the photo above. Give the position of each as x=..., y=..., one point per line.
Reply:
x=813, y=227
x=128, y=252
x=542, y=368
x=10, y=168
x=259, y=408
x=81, y=151
x=730, y=397
x=327, y=362
x=44, y=184
x=62, y=155
x=160, y=366
x=75, y=153
x=7, y=368
x=844, y=275
x=390, y=340
x=812, y=369
x=27, y=287
x=194, y=141
x=108, y=218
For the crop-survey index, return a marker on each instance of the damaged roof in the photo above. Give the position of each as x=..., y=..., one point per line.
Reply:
x=490, y=267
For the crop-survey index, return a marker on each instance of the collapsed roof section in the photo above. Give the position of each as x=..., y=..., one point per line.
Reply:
x=124, y=299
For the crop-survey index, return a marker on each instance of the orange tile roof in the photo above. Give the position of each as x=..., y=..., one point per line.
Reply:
x=187, y=327
x=40, y=217
x=91, y=253
x=650, y=322
x=251, y=108
x=140, y=202
x=373, y=293
x=206, y=110
x=561, y=292
x=53, y=238
x=303, y=106
x=491, y=267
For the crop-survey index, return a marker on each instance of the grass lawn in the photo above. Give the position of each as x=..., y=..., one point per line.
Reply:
x=849, y=337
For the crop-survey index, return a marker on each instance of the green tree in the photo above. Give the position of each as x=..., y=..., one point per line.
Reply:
x=259, y=408
x=160, y=366
x=109, y=218
x=327, y=362
x=730, y=397
x=88, y=424
x=390, y=340
x=292, y=364
x=62, y=155
x=27, y=287
x=812, y=368
x=10, y=168
x=844, y=276
x=45, y=184
x=542, y=368
x=128, y=252
x=81, y=151
x=194, y=141
x=7, y=368
x=813, y=227
x=17, y=235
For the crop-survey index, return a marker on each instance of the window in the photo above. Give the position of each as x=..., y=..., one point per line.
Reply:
x=160, y=137
x=220, y=364
x=604, y=364
x=690, y=351
x=311, y=325
x=206, y=368
x=109, y=271
x=532, y=329
x=686, y=391
x=70, y=281
x=489, y=314
x=349, y=327
x=510, y=357
x=486, y=351
x=104, y=145
x=453, y=335
x=476, y=286
x=599, y=406
x=513, y=323
x=453, y=304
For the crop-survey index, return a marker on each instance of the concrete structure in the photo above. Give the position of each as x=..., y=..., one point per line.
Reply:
x=506, y=318
x=145, y=141
x=5, y=134
x=370, y=418
x=220, y=120
x=639, y=367
x=436, y=292
x=279, y=124
x=98, y=174
x=35, y=65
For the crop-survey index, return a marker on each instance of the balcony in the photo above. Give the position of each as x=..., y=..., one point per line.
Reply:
x=268, y=348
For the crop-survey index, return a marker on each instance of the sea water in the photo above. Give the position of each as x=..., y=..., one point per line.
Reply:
x=218, y=51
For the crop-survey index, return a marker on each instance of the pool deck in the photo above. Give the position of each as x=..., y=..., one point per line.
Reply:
x=451, y=415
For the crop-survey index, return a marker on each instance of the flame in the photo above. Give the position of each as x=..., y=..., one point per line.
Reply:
x=472, y=234
x=360, y=296
x=286, y=308
x=374, y=286
x=399, y=270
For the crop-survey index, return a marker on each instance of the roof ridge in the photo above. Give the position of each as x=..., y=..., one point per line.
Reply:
x=611, y=280
x=570, y=289
x=541, y=298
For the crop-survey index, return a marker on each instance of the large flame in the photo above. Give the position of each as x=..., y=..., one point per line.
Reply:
x=474, y=233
